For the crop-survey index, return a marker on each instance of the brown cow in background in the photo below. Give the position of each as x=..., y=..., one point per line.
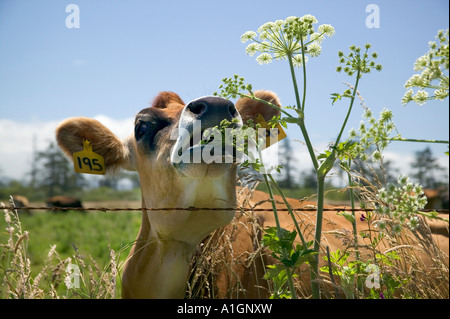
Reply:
x=21, y=201
x=64, y=202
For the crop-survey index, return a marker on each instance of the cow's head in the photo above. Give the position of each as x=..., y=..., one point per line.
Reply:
x=163, y=133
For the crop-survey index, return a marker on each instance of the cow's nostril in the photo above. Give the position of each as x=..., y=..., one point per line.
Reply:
x=233, y=111
x=197, y=108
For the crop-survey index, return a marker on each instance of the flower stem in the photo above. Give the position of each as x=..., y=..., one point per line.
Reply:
x=355, y=230
x=352, y=200
x=301, y=123
x=399, y=139
x=432, y=216
x=320, y=181
x=297, y=227
x=304, y=74
x=349, y=109
x=294, y=81
x=317, y=236
x=277, y=222
x=320, y=201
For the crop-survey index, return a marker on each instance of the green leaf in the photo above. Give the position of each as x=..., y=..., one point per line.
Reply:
x=347, y=216
x=337, y=257
x=287, y=262
x=327, y=165
x=335, y=97
x=323, y=155
x=278, y=241
x=304, y=256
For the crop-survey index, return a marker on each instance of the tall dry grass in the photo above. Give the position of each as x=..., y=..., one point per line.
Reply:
x=217, y=262
x=57, y=277
x=411, y=265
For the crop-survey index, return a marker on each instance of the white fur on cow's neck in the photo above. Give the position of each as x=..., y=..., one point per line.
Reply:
x=161, y=242
x=194, y=225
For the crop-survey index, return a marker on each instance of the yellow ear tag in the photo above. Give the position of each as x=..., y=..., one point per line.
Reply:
x=88, y=162
x=273, y=135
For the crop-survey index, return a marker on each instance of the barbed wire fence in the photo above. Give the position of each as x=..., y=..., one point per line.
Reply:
x=242, y=209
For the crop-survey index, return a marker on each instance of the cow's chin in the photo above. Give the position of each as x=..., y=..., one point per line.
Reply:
x=203, y=170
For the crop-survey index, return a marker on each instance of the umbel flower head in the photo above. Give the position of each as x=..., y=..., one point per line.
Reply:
x=372, y=134
x=287, y=38
x=434, y=68
x=399, y=205
x=359, y=62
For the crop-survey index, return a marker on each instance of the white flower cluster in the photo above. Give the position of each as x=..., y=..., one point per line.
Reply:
x=432, y=66
x=400, y=204
x=378, y=134
x=287, y=38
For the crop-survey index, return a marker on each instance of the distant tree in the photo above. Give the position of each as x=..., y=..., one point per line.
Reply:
x=309, y=179
x=425, y=168
x=289, y=170
x=134, y=178
x=54, y=173
x=109, y=181
x=2, y=184
x=113, y=181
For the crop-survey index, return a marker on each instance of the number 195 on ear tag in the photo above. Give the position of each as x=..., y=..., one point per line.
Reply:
x=88, y=162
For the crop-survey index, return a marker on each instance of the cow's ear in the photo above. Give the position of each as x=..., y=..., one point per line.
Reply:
x=249, y=108
x=71, y=133
x=166, y=99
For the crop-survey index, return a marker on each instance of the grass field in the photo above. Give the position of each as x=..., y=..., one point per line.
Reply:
x=85, y=234
x=97, y=241
x=82, y=236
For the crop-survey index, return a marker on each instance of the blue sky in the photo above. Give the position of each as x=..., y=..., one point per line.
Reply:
x=125, y=52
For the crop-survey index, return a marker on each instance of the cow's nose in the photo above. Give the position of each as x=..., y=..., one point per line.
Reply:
x=212, y=110
x=197, y=107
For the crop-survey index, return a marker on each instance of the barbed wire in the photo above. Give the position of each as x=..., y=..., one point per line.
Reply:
x=245, y=209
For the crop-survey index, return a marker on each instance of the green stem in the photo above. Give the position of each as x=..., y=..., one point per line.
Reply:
x=317, y=236
x=294, y=81
x=304, y=75
x=290, y=283
x=320, y=201
x=432, y=216
x=399, y=139
x=308, y=144
x=355, y=230
x=277, y=221
x=352, y=200
x=297, y=227
x=349, y=110
x=320, y=179
x=272, y=201
x=301, y=123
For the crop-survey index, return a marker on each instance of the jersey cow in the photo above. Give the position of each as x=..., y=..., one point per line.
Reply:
x=159, y=262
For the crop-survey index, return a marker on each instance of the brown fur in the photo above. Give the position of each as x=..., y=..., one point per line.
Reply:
x=249, y=108
x=72, y=132
x=243, y=268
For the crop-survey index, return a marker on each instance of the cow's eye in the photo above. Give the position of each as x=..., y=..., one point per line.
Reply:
x=140, y=129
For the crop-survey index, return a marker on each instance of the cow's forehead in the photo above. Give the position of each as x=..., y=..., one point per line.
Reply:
x=172, y=112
